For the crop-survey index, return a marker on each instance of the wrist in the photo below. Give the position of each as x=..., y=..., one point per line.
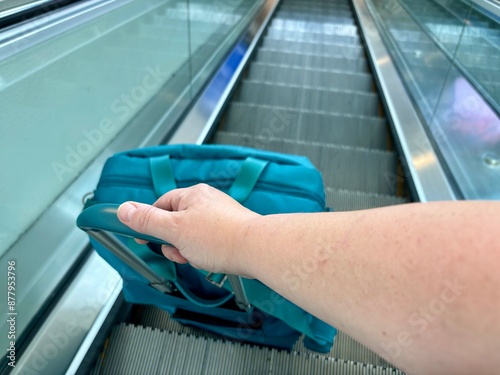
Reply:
x=244, y=246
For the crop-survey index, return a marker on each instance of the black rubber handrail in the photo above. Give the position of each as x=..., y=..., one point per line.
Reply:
x=21, y=14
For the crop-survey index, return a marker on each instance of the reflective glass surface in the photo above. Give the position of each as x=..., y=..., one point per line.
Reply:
x=63, y=100
x=73, y=82
x=223, y=21
x=448, y=54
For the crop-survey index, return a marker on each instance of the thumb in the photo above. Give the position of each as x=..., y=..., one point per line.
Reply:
x=145, y=218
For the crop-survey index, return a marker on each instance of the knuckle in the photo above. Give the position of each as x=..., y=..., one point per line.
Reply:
x=176, y=222
x=202, y=188
x=175, y=226
x=145, y=218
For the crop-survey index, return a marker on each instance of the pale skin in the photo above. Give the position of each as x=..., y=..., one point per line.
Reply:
x=419, y=284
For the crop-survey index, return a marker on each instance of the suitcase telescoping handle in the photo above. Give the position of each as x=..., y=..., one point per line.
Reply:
x=100, y=222
x=103, y=217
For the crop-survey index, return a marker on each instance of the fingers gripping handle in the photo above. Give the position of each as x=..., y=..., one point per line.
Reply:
x=103, y=217
x=100, y=222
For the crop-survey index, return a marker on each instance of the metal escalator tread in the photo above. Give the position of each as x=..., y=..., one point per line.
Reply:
x=331, y=49
x=344, y=347
x=325, y=79
x=188, y=354
x=348, y=200
x=306, y=97
x=312, y=37
x=330, y=27
x=311, y=61
x=293, y=124
x=343, y=167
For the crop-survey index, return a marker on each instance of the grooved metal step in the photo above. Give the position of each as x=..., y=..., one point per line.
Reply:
x=342, y=167
x=331, y=27
x=321, y=100
x=326, y=79
x=267, y=121
x=313, y=9
x=299, y=36
x=321, y=16
x=311, y=61
x=344, y=347
x=288, y=10
x=347, y=200
x=175, y=353
x=334, y=50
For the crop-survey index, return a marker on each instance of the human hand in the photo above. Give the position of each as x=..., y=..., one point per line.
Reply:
x=203, y=224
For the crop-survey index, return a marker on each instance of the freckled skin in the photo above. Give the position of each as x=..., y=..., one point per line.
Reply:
x=418, y=283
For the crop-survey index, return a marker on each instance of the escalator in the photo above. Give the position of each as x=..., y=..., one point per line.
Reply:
x=308, y=91
x=476, y=46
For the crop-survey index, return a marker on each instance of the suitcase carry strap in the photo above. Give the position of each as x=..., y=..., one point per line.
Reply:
x=243, y=185
x=162, y=174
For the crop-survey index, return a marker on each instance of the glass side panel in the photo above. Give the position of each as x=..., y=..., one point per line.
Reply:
x=448, y=55
x=420, y=61
x=465, y=35
x=467, y=131
x=481, y=60
x=214, y=27
x=63, y=100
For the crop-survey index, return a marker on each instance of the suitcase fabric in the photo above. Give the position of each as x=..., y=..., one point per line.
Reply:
x=265, y=182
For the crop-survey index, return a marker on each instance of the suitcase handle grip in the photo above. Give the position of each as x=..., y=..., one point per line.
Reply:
x=102, y=217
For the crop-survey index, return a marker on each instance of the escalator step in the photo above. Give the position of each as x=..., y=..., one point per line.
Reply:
x=347, y=349
x=347, y=200
x=312, y=9
x=313, y=37
x=310, y=77
x=343, y=167
x=332, y=27
x=290, y=4
x=344, y=347
x=262, y=120
x=174, y=353
x=322, y=100
x=344, y=63
x=319, y=16
x=333, y=50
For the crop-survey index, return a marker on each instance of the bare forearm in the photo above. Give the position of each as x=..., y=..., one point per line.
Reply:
x=417, y=283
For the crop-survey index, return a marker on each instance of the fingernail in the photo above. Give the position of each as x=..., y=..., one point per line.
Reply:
x=125, y=212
